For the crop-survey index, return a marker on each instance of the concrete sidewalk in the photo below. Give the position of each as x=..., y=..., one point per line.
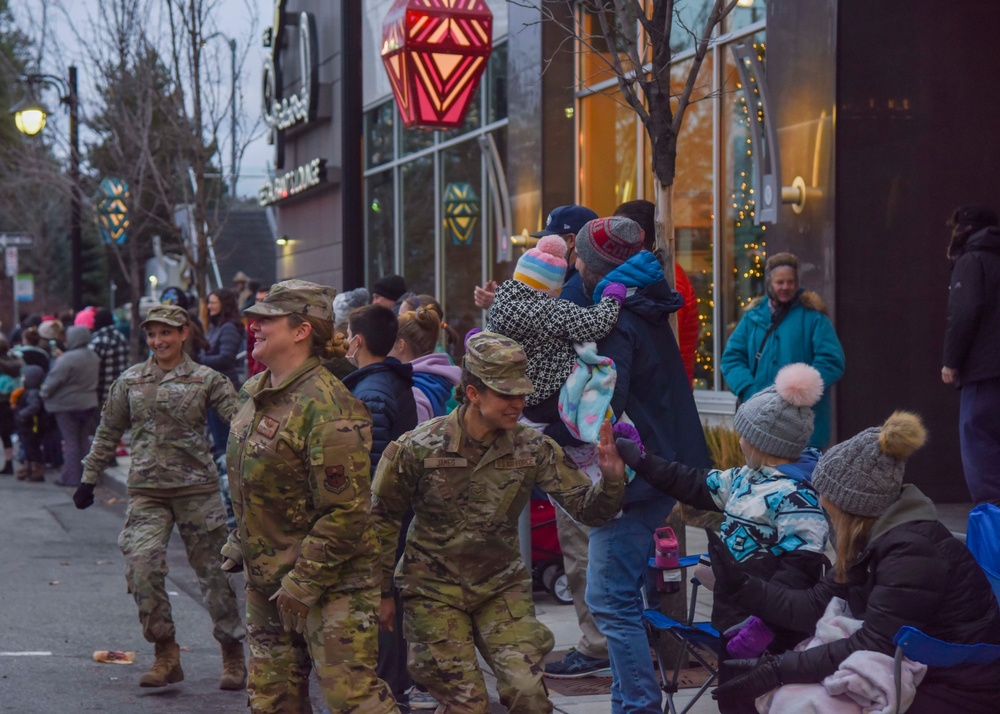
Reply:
x=561, y=619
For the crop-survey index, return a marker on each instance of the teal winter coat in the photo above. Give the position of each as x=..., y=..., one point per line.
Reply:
x=805, y=335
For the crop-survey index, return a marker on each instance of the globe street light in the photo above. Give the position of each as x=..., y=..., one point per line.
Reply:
x=29, y=118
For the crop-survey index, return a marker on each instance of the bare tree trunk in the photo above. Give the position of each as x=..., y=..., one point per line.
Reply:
x=666, y=243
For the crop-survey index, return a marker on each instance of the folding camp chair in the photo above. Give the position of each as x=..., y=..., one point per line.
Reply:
x=697, y=638
x=923, y=648
x=983, y=540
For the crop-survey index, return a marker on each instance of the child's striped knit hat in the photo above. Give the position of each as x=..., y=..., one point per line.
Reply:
x=544, y=266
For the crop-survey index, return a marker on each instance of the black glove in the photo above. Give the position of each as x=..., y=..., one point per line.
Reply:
x=762, y=677
x=632, y=453
x=84, y=496
x=728, y=576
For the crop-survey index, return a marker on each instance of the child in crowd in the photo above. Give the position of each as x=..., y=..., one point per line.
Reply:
x=773, y=523
x=896, y=565
x=8, y=383
x=527, y=309
x=32, y=423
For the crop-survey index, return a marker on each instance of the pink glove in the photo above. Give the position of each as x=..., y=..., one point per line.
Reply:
x=751, y=640
x=615, y=291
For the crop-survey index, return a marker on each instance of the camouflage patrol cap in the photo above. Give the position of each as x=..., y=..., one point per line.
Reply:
x=500, y=362
x=173, y=315
x=296, y=297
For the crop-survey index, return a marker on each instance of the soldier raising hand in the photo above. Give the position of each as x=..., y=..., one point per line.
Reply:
x=464, y=585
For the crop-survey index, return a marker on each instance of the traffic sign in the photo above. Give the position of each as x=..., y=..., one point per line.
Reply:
x=24, y=287
x=22, y=240
x=10, y=261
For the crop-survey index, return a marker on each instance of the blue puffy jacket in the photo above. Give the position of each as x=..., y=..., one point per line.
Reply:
x=386, y=388
x=805, y=335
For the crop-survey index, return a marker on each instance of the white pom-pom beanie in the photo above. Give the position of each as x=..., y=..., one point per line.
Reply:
x=544, y=266
x=779, y=420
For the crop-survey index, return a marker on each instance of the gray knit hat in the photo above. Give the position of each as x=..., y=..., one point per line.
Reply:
x=605, y=243
x=779, y=420
x=864, y=474
x=349, y=300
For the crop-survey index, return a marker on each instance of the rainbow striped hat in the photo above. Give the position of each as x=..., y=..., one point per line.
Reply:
x=544, y=266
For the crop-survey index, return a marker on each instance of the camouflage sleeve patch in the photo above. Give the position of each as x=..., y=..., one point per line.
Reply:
x=391, y=450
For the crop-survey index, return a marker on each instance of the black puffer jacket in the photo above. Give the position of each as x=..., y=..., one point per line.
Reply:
x=913, y=572
x=386, y=388
x=972, y=339
x=30, y=404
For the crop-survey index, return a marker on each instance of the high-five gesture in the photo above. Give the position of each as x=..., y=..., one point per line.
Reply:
x=608, y=458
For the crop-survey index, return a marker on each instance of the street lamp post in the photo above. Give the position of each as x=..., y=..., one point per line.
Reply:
x=29, y=117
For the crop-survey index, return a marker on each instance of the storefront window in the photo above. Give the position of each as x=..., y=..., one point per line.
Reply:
x=496, y=84
x=379, y=126
x=746, y=14
x=433, y=259
x=416, y=139
x=462, y=236
x=742, y=240
x=380, y=225
x=417, y=227
x=693, y=211
x=713, y=178
x=608, y=156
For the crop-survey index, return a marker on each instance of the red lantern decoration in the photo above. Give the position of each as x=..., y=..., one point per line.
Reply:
x=435, y=52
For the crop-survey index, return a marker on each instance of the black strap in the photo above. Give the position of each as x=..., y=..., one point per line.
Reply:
x=776, y=319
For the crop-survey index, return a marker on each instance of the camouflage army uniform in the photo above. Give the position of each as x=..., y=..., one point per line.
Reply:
x=172, y=480
x=463, y=581
x=299, y=474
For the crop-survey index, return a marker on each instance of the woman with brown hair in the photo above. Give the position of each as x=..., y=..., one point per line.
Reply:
x=298, y=466
x=896, y=565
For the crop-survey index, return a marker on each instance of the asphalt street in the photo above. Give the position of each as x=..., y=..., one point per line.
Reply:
x=63, y=596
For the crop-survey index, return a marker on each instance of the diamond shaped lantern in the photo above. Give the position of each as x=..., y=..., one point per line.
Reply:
x=461, y=211
x=112, y=211
x=435, y=52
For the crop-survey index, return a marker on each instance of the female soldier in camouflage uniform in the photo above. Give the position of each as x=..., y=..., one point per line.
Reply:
x=464, y=585
x=299, y=475
x=173, y=480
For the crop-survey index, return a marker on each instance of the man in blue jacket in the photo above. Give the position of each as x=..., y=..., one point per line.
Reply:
x=385, y=385
x=653, y=391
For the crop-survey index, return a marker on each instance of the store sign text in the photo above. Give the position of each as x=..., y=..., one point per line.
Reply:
x=293, y=182
x=283, y=112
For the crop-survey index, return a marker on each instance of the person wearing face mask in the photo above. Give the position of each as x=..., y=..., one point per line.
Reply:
x=788, y=325
x=172, y=481
x=382, y=382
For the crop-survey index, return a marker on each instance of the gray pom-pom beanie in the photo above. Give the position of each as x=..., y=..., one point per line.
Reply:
x=864, y=474
x=779, y=420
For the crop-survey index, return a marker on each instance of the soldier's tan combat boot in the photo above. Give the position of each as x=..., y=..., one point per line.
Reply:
x=23, y=470
x=234, y=669
x=167, y=667
x=37, y=472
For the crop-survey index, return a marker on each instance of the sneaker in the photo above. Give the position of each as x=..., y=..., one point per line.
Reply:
x=576, y=664
x=419, y=699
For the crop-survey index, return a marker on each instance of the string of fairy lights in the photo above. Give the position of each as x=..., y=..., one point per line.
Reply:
x=749, y=245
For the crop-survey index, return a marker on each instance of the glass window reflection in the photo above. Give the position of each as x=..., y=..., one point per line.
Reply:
x=379, y=226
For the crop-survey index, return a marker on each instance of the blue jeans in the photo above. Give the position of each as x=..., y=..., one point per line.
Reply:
x=979, y=432
x=619, y=556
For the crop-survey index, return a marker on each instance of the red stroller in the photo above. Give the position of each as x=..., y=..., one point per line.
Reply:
x=547, y=570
